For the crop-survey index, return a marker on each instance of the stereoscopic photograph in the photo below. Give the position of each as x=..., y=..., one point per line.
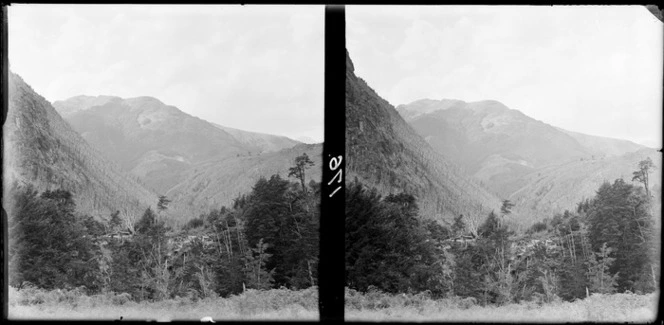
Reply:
x=163, y=162
x=503, y=163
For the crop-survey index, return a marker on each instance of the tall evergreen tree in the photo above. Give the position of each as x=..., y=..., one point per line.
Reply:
x=302, y=163
x=619, y=216
x=49, y=246
x=642, y=174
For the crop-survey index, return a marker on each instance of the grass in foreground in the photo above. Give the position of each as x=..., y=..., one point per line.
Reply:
x=376, y=306
x=276, y=304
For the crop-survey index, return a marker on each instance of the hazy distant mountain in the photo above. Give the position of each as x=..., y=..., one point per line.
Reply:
x=40, y=148
x=217, y=183
x=498, y=145
x=385, y=152
x=425, y=106
x=306, y=139
x=151, y=140
x=265, y=142
x=603, y=146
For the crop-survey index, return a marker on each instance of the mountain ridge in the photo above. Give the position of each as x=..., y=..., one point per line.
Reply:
x=497, y=145
x=157, y=142
x=385, y=152
x=40, y=148
x=266, y=142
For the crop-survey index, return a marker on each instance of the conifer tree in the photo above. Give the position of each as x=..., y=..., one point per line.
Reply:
x=600, y=279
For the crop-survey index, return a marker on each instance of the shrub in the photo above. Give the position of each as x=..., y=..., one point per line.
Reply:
x=121, y=299
x=467, y=302
x=538, y=227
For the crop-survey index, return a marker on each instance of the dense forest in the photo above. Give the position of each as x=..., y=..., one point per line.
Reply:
x=607, y=245
x=268, y=238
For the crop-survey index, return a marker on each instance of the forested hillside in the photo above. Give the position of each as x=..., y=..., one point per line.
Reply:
x=385, y=152
x=267, y=238
x=42, y=150
x=609, y=243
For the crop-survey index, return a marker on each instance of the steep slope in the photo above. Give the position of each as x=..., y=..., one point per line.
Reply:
x=40, y=148
x=149, y=139
x=217, y=183
x=264, y=142
x=498, y=145
x=556, y=188
x=385, y=152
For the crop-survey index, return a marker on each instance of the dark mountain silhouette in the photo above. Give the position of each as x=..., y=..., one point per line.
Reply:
x=385, y=152
x=41, y=149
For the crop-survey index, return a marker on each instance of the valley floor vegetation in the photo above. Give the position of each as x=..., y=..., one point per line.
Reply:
x=377, y=306
x=604, y=252
x=75, y=304
x=260, y=248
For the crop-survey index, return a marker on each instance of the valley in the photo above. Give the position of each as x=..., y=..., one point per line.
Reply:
x=198, y=164
x=468, y=211
x=541, y=168
x=136, y=201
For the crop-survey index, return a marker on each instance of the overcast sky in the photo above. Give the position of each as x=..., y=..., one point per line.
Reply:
x=256, y=68
x=596, y=70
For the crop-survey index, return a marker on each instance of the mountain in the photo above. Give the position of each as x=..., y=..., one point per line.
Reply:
x=555, y=188
x=217, y=183
x=151, y=140
x=264, y=142
x=385, y=152
x=498, y=145
x=602, y=146
x=306, y=139
x=41, y=149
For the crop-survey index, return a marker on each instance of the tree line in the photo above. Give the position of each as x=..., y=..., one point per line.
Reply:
x=605, y=246
x=268, y=238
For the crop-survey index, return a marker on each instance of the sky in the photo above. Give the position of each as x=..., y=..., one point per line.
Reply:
x=255, y=68
x=590, y=69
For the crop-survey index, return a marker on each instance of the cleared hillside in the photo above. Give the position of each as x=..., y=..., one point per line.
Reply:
x=264, y=142
x=556, y=188
x=218, y=183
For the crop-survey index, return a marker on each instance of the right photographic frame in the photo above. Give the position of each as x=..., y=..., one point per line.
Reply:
x=503, y=163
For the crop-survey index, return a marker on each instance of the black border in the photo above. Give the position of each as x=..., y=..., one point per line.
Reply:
x=331, y=272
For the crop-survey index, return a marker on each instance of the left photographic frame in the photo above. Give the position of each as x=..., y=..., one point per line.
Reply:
x=163, y=162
